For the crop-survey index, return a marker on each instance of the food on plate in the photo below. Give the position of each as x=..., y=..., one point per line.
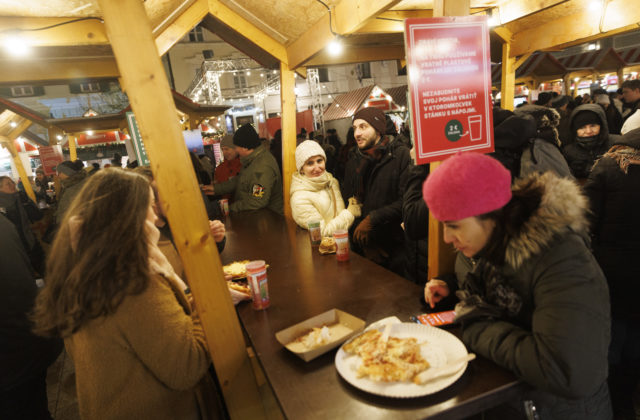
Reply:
x=239, y=287
x=313, y=338
x=399, y=360
x=236, y=269
x=328, y=246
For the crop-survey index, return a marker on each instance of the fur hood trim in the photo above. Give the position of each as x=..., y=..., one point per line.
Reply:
x=562, y=209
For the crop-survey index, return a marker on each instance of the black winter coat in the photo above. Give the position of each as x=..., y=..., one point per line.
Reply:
x=615, y=204
x=581, y=157
x=416, y=224
x=382, y=202
x=22, y=354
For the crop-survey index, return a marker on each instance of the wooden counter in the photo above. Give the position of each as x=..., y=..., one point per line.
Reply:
x=302, y=284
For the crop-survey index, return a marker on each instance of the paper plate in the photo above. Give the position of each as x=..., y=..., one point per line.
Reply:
x=440, y=347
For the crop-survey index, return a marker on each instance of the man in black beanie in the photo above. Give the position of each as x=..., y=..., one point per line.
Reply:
x=376, y=174
x=259, y=183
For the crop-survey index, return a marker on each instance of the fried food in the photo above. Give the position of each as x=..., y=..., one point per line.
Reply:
x=328, y=246
x=316, y=337
x=397, y=361
x=239, y=287
x=236, y=269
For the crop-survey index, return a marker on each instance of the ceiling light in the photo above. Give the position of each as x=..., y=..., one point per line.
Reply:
x=13, y=124
x=89, y=132
x=248, y=73
x=334, y=47
x=59, y=137
x=275, y=72
x=595, y=5
x=16, y=45
x=329, y=96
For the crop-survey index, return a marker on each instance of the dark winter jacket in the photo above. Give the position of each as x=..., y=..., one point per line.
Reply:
x=382, y=202
x=23, y=355
x=542, y=152
x=258, y=185
x=613, y=189
x=415, y=216
x=70, y=188
x=22, y=212
x=548, y=302
x=581, y=156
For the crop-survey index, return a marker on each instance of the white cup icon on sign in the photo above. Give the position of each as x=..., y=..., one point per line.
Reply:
x=475, y=127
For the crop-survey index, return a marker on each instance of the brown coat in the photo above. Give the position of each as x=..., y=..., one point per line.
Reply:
x=143, y=362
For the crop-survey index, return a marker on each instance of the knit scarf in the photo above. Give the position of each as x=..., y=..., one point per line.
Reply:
x=624, y=156
x=325, y=181
x=370, y=157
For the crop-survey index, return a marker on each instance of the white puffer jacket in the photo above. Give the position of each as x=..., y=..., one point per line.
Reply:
x=312, y=200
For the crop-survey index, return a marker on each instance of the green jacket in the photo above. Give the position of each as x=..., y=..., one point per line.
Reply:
x=258, y=185
x=559, y=339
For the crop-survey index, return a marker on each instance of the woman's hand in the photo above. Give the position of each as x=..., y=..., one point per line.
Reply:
x=238, y=297
x=217, y=230
x=434, y=291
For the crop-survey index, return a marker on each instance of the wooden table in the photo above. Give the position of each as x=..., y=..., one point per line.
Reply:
x=302, y=284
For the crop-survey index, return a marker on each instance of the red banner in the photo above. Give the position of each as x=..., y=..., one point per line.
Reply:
x=449, y=67
x=50, y=157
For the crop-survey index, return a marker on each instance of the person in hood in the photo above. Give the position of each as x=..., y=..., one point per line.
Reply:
x=377, y=174
x=315, y=193
x=613, y=189
x=533, y=299
x=591, y=139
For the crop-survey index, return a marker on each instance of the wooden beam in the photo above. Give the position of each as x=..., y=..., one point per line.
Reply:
x=245, y=28
x=520, y=61
x=620, y=16
x=143, y=75
x=511, y=10
x=86, y=32
x=391, y=21
x=288, y=122
x=71, y=141
x=504, y=33
x=441, y=256
x=169, y=33
x=508, y=82
x=38, y=71
x=348, y=17
x=358, y=55
x=22, y=173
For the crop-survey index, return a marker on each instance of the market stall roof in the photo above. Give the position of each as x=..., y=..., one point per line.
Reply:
x=631, y=56
x=399, y=95
x=347, y=104
x=540, y=66
x=606, y=60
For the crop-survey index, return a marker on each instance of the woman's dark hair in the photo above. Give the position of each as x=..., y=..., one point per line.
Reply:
x=92, y=268
x=510, y=219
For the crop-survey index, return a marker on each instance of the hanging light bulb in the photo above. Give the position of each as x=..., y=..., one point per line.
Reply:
x=16, y=45
x=335, y=46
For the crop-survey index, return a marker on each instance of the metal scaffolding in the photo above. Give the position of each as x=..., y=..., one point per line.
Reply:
x=313, y=82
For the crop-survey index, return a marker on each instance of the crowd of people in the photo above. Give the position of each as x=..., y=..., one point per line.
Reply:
x=545, y=230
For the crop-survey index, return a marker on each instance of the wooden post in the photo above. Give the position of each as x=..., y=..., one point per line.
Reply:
x=144, y=80
x=288, y=118
x=73, y=154
x=566, y=85
x=620, y=74
x=441, y=256
x=53, y=135
x=508, y=84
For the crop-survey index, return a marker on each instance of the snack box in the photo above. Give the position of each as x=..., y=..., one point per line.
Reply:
x=342, y=326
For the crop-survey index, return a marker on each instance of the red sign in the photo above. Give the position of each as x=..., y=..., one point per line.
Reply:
x=98, y=138
x=50, y=157
x=449, y=67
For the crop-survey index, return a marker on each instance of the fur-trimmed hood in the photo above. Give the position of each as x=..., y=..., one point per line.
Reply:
x=562, y=209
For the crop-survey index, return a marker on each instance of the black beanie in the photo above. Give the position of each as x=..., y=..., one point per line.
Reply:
x=583, y=118
x=246, y=136
x=375, y=118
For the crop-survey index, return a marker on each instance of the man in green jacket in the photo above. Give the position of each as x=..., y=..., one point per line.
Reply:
x=259, y=183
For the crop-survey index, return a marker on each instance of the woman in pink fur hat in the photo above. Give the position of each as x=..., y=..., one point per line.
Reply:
x=532, y=298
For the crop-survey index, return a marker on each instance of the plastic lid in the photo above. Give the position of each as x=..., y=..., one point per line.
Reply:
x=255, y=265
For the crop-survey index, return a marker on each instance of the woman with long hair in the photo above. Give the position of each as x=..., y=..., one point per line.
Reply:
x=533, y=298
x=315, y=193
x=138, y=347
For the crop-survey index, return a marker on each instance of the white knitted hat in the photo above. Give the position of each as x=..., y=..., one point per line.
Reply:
x=307, y=149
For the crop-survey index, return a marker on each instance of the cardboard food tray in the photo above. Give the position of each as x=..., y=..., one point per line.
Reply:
x=353, y=324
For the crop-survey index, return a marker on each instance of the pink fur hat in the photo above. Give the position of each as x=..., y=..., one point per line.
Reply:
x=465, y=185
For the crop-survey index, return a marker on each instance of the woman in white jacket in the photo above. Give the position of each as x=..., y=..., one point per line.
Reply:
x=315, y=193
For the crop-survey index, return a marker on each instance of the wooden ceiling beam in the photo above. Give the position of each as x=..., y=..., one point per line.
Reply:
x=168, y=35
x=348, y=16
x=86, y=32
x=245, y=28
x=358, y=55
x=511, y=10
x=39, y=71
x=620, y=16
